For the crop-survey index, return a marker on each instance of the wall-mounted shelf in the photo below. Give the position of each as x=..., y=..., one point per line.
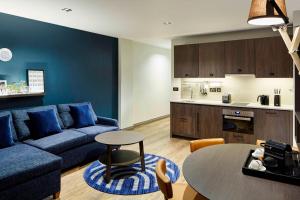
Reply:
x=10, y=96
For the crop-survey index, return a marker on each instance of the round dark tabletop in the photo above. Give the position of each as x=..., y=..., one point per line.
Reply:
x=216, y=173
x=119, y=138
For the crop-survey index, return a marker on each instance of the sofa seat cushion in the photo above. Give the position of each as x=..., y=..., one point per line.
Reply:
x=93, y=131
x=60, y=142
x=21, y=120
x=21, y=162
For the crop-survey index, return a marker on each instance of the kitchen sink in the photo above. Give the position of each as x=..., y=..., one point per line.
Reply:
x=239, y=104
x=189, y=101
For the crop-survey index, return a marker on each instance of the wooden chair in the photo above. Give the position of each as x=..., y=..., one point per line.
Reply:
x=176, y=191
x=198, y=144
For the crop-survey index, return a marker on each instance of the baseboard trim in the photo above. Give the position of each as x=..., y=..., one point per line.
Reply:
x=150, y=120
x=146, y=122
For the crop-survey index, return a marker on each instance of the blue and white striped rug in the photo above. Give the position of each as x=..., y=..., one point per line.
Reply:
x=129, y=180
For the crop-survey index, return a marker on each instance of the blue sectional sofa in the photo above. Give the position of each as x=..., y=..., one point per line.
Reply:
x=31, y=168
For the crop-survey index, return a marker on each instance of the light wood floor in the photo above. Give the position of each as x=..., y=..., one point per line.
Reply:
x=157, y=141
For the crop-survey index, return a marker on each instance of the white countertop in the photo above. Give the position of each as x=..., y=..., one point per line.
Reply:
x=219, y=103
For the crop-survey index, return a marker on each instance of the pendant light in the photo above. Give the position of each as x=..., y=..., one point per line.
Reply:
x=273, y=13
x=268, y=12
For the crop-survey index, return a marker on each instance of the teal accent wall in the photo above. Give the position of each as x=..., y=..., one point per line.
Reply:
x=79, y=66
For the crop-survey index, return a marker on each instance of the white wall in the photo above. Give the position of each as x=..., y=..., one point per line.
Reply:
x=144, y=82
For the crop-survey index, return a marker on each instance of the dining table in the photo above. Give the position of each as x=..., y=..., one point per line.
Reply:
x=216, y=173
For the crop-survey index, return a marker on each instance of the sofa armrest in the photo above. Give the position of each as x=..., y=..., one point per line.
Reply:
x=107, y=121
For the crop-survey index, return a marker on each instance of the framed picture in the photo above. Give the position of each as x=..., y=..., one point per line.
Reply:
x=3, y=87
x=36, y=82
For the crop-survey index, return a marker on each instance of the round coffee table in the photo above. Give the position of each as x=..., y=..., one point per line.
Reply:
x=120, y=157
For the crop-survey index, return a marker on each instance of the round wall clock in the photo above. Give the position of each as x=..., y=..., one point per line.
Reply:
x=5, y=55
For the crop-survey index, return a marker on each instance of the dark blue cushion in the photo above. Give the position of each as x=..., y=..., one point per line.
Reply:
x=82, y=116
x=60, y=142
x=43, y=123
x=21, y=163
x=4, y=113
x=21, y=119
x=6, y=138
x=65, y=113
x=93, y=131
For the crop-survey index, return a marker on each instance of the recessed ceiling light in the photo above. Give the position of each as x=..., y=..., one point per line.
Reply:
x=67, y=9
x=167, y=23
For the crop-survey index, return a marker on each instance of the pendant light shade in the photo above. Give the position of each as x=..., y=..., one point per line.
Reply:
x=263, y=13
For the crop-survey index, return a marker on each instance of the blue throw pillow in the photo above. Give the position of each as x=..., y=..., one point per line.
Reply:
x=82, y=116
x=43, y=123
x=6, y=137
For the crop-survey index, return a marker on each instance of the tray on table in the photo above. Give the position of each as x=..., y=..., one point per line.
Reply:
x=276, y=175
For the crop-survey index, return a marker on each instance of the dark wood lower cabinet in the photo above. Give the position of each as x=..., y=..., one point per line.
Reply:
x=183, y=120
x=203, y=121
x=209, y=122
x=232, y=137
x=274, y=124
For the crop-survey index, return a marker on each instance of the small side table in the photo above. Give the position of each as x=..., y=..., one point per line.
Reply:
x=120, y=157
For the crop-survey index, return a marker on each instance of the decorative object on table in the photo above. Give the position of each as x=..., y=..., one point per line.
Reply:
x=257, y=165
x=35, y=80
x=277, y=101
x=258, y=153
x=3, y=87
x=287, y=175
x=5, y=55
x=279, y=163
x=277, y=151
x=129, y=180
x=273, y=13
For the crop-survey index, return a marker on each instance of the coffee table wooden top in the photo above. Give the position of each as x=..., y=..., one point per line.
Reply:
x=119, y=138
x=216, y=173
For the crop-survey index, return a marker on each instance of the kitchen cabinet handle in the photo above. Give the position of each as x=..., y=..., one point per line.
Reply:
x=211, y=74
x=183, y=119
x=272, y=74
x=271, y=113
x=197, y=121
x=237, y=136
x=240, y=70
x=186, y=75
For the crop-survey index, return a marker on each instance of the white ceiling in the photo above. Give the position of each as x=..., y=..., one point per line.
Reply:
x=141, y=20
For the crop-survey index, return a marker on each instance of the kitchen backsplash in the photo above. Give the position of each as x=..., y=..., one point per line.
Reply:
x=241, y=88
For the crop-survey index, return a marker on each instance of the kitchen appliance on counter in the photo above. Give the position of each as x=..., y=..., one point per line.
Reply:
x=263, y=99
x=226, y=98
x=277, y=98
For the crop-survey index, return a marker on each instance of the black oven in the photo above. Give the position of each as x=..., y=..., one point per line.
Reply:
x=238, y=121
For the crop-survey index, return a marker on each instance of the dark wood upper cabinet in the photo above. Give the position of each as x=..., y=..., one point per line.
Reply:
x=209, y=122
x=240, y=57
x=186, y=61
x=211, y=60
x=272, y=58
x=274, y=124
